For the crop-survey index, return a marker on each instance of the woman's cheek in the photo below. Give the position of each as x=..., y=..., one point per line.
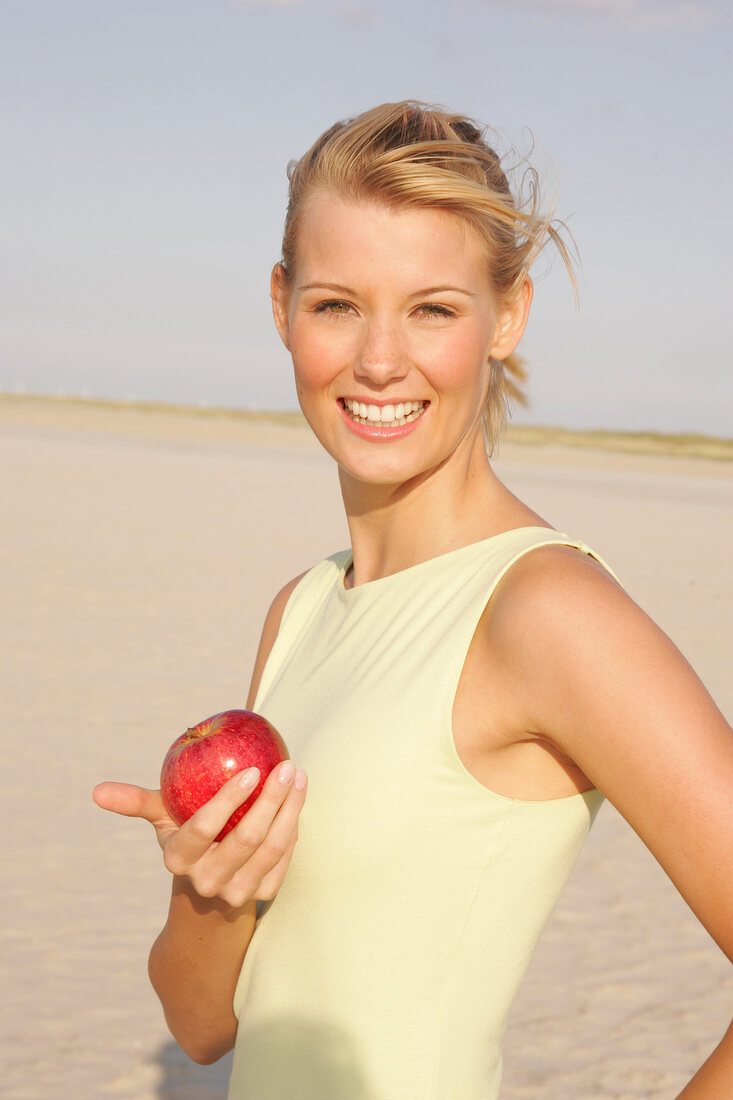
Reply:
x=319, y=358
x=461, y=368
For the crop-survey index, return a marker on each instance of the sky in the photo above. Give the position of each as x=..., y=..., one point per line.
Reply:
x=144, y=148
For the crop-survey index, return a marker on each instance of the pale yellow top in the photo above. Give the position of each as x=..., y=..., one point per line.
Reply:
x=385, y=967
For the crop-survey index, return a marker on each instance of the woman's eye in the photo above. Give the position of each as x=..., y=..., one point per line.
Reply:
x=335, y=306
x=432, y=309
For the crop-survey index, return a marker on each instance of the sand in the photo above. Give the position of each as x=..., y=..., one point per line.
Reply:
x=139, y=551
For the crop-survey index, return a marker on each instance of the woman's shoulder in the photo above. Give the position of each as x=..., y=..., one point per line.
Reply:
x=558, y=618
x=585, y=664
x=562, y=578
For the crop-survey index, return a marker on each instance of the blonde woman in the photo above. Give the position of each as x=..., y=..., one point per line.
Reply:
x=494, y=662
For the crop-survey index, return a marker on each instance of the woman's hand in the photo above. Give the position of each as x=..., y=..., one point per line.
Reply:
x=249, y=864
x=195, y=961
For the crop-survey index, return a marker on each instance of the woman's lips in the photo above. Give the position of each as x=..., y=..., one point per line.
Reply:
x=389, y=421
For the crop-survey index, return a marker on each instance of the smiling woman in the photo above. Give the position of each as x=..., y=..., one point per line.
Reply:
x=390, y=339
x=433, y=161
x=494, y=662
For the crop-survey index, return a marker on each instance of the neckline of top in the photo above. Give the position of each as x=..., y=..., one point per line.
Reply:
x=348, y=557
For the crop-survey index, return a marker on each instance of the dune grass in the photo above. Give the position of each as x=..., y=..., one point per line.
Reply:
x=680, y=444
x=686, y=444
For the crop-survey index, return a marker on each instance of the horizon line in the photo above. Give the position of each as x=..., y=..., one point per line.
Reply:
x=691, y=444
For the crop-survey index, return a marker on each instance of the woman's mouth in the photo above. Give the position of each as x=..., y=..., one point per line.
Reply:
x=382, y=416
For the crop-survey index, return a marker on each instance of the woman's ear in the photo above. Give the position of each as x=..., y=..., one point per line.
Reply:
x=512, y=322
x=280, y=295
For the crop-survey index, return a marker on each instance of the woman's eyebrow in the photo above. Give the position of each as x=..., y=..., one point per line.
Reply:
x=440, y=289
x=328, y=286
x=338, y=289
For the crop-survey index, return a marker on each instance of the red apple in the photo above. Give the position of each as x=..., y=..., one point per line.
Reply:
x=201, y=760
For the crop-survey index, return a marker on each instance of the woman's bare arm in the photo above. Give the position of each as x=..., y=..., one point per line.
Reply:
x=592, y=674
x=195, y=961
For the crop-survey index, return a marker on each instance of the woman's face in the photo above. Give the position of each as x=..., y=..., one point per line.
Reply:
x=391, y=321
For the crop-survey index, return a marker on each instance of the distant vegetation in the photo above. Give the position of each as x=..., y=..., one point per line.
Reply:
x=660, y=443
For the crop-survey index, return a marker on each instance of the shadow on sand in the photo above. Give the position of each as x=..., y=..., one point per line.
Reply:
x=298, y=1059
x=182, y=1079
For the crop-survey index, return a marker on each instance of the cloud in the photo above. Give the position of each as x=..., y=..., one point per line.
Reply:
x=637, y=14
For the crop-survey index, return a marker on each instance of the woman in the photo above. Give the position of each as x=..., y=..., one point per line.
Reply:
x=460, y=686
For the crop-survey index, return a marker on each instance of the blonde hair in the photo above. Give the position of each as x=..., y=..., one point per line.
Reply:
x=414, y=154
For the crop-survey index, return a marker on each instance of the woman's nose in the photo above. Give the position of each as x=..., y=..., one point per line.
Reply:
x=381, y=357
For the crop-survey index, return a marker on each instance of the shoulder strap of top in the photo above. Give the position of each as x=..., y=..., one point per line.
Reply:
x=536, y=539
x=311, y=587
x=306, y=595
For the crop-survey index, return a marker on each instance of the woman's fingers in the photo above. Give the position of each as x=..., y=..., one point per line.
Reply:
x=265, y=837
x=132, y=801
x=124, y=798
x=268, y=825
x=273, y=880
x=252, y=859
x=251, y=830
x=195, y=837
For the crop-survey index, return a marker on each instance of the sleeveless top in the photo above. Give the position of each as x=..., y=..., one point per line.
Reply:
x=385, y=967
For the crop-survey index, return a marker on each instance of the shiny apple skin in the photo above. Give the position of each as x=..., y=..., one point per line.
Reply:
x=201, y=760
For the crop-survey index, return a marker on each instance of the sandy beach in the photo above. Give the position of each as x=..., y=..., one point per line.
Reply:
x=140, y=549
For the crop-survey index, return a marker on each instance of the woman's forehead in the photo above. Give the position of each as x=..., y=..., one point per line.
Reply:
x=332, y=227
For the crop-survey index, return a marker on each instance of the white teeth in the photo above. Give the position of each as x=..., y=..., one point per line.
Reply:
x=394, y=415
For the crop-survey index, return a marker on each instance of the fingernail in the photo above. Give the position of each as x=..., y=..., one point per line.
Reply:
x=300, y=781
x=287, y=771
x=249, y=778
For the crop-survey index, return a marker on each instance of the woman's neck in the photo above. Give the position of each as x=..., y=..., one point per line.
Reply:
x=394, y=527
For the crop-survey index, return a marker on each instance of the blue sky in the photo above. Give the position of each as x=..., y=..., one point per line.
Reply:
x=143, y=186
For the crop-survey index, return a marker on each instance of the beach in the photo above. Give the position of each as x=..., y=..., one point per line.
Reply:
x=141, y=548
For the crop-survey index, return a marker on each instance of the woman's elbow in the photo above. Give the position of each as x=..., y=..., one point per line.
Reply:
x=204, y=1049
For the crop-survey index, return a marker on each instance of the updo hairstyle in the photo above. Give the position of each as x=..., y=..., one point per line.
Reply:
x=414, y=154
